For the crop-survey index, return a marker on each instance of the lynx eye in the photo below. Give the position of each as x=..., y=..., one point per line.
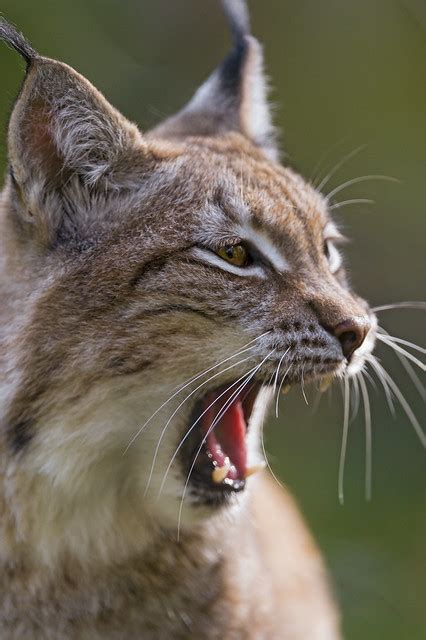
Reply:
x=235, y=254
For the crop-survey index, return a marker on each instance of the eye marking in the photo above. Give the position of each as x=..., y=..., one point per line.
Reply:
x=236, y=254
x=332, y=255
x=247, y=252
x=265, y=247
x=212, y=257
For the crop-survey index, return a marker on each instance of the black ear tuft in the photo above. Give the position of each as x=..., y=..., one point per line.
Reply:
x=16, y=40
x=234, y=97
x=66, y=144
x=238, y=17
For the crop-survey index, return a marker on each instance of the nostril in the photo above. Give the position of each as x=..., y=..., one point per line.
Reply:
x=348, y=340
x=351, y=334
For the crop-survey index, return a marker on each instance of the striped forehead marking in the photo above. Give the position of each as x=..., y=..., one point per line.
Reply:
x=265, y=246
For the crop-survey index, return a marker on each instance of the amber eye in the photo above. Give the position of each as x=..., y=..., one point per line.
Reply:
x=235, y=254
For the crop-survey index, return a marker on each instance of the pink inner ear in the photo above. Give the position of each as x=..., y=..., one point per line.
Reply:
x=38, y=139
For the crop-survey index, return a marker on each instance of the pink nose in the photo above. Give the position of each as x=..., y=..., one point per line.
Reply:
x=351, y=334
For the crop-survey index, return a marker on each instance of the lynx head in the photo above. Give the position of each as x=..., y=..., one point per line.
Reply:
x=160, y=286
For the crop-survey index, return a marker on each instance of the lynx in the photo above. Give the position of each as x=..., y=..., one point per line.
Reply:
x=158, y=289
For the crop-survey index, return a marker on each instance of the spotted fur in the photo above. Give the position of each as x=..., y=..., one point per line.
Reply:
x=112, y=295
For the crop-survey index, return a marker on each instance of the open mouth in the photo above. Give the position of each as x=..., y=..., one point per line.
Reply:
x=215, y=453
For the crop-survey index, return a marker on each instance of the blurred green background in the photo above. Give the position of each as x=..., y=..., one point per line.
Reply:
x=344, y=74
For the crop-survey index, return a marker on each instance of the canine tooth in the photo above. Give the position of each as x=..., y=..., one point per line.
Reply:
x=255, y=468
x=219, y=473
x=325, y=383
x=286, y=388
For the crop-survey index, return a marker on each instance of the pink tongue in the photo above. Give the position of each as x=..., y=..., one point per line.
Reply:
x=226, y=442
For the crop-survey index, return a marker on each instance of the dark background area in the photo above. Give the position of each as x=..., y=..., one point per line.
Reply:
x=343, y=74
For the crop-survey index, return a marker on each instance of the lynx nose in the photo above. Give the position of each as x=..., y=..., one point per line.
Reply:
x=351, y=334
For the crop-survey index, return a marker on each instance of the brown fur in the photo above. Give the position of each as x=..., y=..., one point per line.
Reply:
x=230, y=581
x=107, y=305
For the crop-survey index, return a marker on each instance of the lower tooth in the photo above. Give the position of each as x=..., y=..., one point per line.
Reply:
x=325, y=383
x=219, y=473
x=255, y=468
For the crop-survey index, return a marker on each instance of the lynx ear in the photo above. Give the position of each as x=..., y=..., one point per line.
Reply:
x=61, y=124
x=234, y=97
x=61, y=127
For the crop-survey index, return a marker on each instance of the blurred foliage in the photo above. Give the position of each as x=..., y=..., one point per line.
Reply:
x=344, y=74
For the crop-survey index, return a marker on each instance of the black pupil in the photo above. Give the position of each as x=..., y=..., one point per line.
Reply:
x=229, y=251
x=326, y=249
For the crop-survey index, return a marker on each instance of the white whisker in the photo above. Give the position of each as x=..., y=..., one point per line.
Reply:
x=370, y=379
x=410, y=371
x=368, y=439
x=262, y=440
x=188, y=477
x=407, y=343
x=163, y=431
x=194, y=424
x=186, y=384
x=407, y=354
x=344, y=442
x=355, y=407
x=377, y=367
x=349, y=183
x=210, y=429
x=407, y=409
x=279, y=389
x=338, y=165
x=412, y=375
x=276, y=380
x=345, y=203
x=303, y=388
x=315, y=175
x=420, y=305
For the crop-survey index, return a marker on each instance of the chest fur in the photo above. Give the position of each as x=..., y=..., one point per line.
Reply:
x=172, y=591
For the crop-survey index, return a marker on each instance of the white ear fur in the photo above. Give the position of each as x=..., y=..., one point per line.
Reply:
x=233, y=98
x=62, y=124
x=67, y=145
x=255, y=111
